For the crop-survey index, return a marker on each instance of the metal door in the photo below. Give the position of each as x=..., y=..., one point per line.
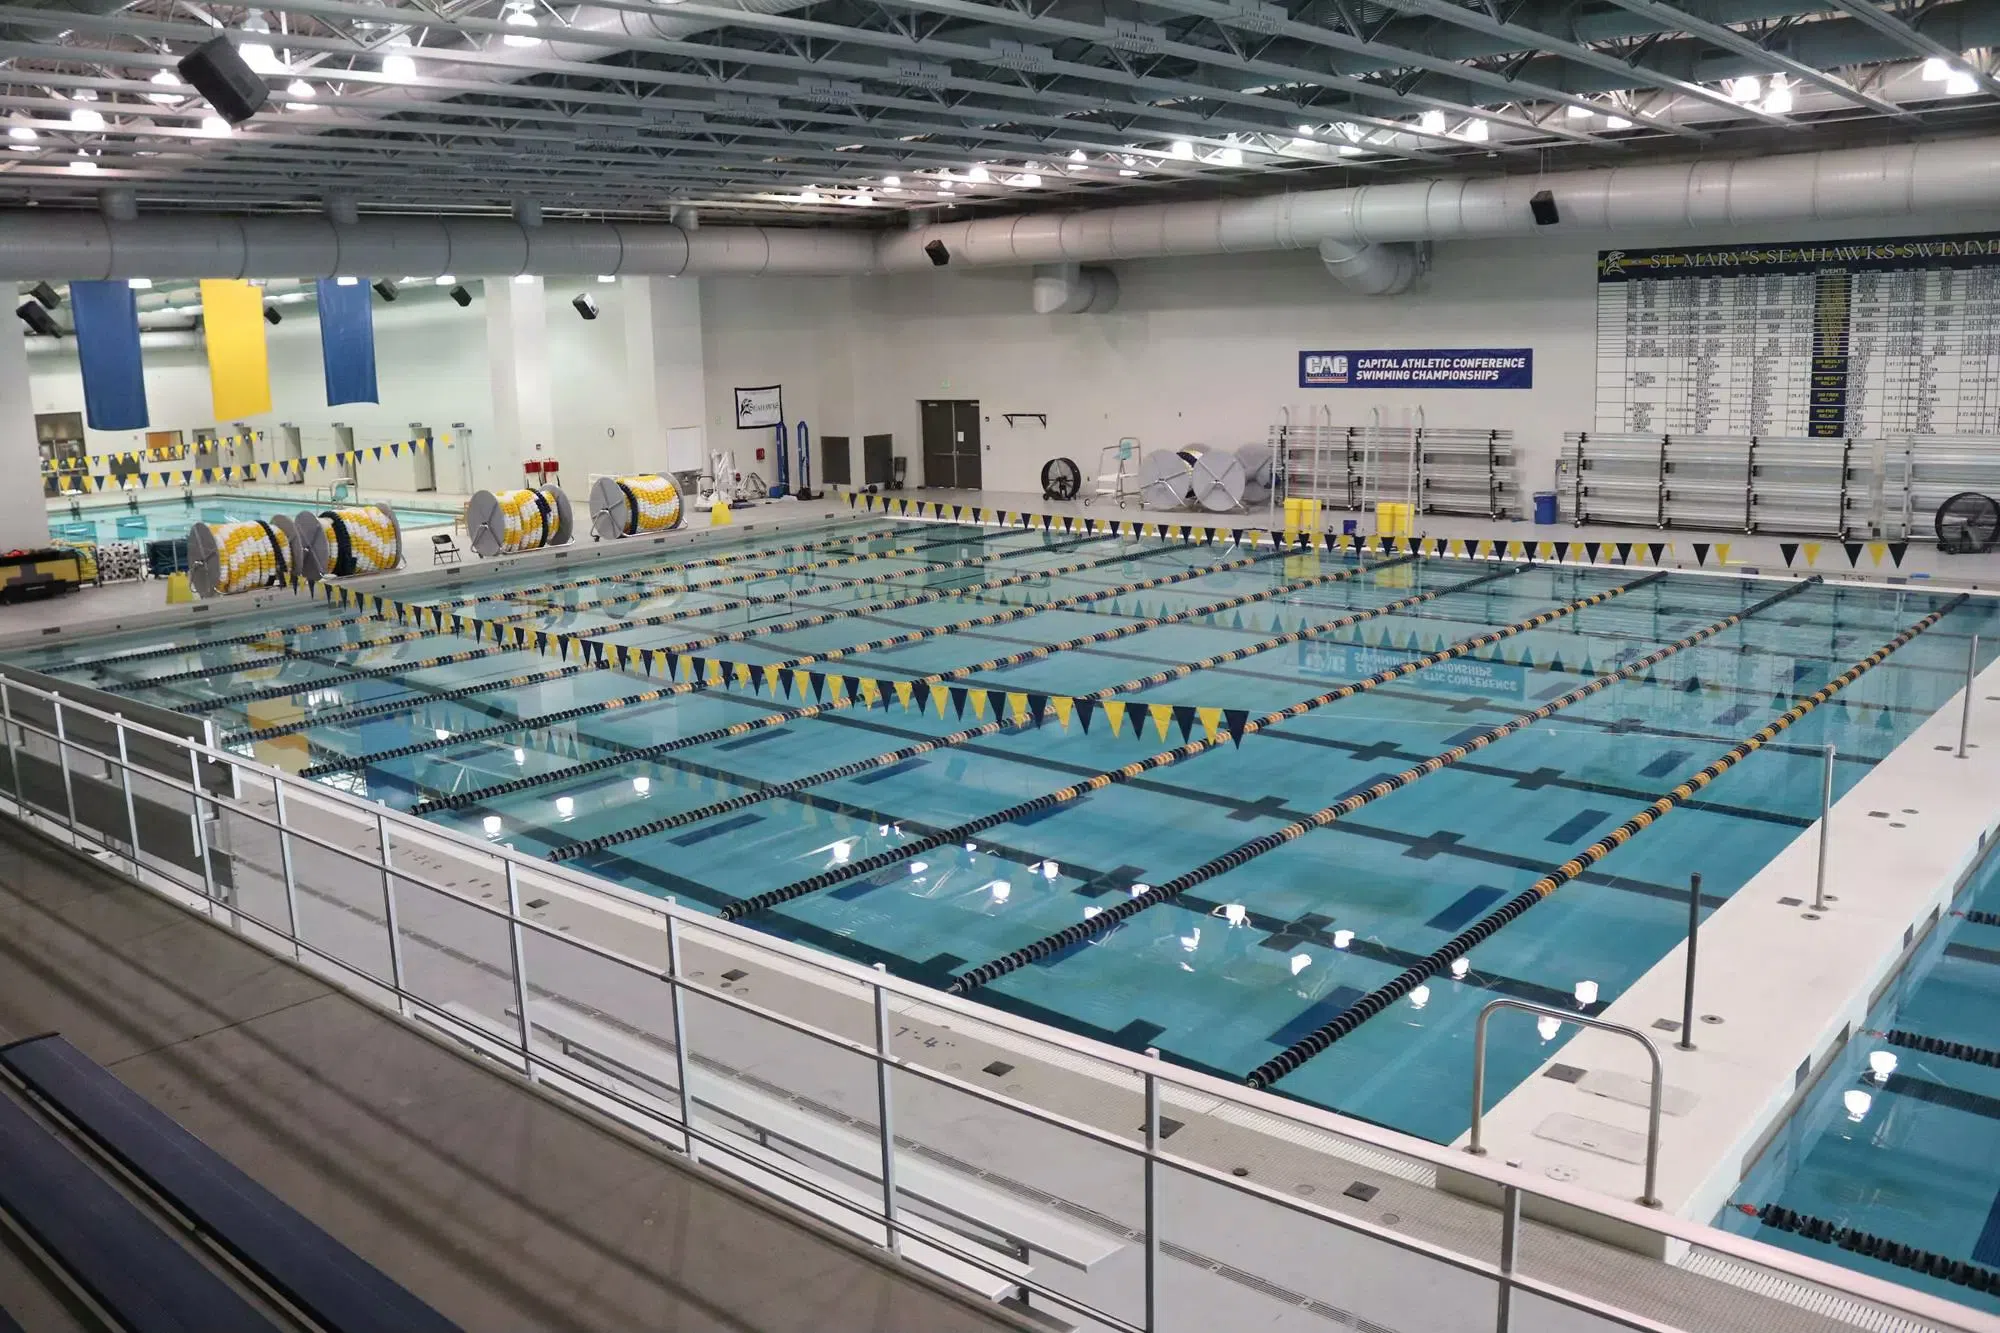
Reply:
x=940, y=453
x=965, y=445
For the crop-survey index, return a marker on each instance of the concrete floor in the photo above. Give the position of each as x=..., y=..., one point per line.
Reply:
x=502, y=1209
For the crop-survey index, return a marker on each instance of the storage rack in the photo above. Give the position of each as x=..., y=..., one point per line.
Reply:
x=1439, y=470
x=1871, y=488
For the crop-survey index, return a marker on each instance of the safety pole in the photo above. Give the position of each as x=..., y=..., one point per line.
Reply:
x=1686, y=1043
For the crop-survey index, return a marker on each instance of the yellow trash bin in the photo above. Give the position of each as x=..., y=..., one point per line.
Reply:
x=179, y=589
x=718, y=517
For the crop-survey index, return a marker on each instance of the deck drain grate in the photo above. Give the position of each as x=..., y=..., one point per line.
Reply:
x=536, y=904
x=734, y=974
x=999, y=1069
x=1361, y=1190
x=1168, y=1127
x=1667, y=1024
x=1564, y=1073
x=1791, y=902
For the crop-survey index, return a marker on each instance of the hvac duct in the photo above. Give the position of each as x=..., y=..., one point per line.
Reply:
x=1835, y=185
x=1072, y=289
x=1371, y=269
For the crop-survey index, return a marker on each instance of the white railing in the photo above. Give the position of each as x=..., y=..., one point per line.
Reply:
x=858, y=1096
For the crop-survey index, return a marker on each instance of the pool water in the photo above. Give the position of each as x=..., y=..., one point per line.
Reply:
x=152, y=520
x=1898, y=1140
x=1246, y=961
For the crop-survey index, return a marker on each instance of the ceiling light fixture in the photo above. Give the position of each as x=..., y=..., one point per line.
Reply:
x=1778, y=102
x=444, y=280
x=215, y=127
x=1579, y=112
x=82, y=166
x=257, y=52
x=87, y=119
x=1183, y=150
x=398, y=64
x=139, y=284
x=1230, y=157
x=1960, y=83
x=170, y=85
x=1475, y=131
x=520, y=14
x=1431, y=122
x=978, y=174
x=1746, y=89
x=1617, y=123
x=1936, y=70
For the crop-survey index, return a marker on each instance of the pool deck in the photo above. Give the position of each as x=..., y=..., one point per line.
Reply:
x=1780, y=988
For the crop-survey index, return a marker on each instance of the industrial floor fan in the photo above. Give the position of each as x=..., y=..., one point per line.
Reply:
x=1061, y=479
x=1967, y=524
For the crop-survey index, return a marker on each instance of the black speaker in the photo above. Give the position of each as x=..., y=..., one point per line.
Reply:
x=47, y=295
x=385, y=289
x=38, y=319
x=462, y=296
x=271, y=315
x=219, y=74
x=1543, y=206
x=939, y=255
x=585, y=306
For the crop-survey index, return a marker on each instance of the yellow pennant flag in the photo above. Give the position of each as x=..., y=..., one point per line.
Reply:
x=1161, y=714
x=239, y=367
x=1114, y=713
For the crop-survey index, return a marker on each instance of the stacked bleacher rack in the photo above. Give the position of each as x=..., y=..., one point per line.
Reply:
x=1439, y=470
x=1873, y=488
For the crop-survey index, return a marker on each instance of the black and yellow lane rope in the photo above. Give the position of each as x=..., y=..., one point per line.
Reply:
x=648, y=660
x=1102, y=922
x=278, y=634
x=592, y=651
x=909, y=688
x=1373, y=1003
x=1032, y=708
x=1871, y=1246
x=1125, y=773
x=701, y=680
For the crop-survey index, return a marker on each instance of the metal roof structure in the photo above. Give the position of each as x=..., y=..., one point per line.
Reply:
x=782, y=111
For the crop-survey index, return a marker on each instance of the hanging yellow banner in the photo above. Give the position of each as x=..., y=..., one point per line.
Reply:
x=239, y=368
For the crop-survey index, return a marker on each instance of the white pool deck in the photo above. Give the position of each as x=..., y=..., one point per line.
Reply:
x=1787, y=984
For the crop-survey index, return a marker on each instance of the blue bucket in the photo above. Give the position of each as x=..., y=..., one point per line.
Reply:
x=1545, y=507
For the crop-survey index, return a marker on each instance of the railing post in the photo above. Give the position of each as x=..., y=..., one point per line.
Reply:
x=125, y=785
x=291, y=878
x=1965, y=713
x=1825, y=830
x=682, y=1064
x=1152, y=1194
x=13, y=751
x=62, y=757
x=389, y=911
x=1510, y=1239
x=200, y=833
x=885, y=1108
x=1686, y=1043
x=517, y=949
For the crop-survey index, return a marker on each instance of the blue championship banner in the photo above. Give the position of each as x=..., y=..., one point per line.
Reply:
x=1420, y=368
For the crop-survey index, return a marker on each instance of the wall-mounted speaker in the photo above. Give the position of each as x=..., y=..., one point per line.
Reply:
x=939, y=255
x=384, y=288
x=47, y=295
x=38, y=319
x=271, y=315
x=462, y=296
x=585, y=306
x=1543, y=206
x=218, y=73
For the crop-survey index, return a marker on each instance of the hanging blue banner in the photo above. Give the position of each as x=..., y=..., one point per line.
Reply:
x=107, y=346
x=1420, y=368
x=347, y=341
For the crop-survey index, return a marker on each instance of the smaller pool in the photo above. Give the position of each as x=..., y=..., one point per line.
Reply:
x=1899, y=1145
x=151, y=520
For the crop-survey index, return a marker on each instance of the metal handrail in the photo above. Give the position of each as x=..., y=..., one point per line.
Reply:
x=1649, y=1198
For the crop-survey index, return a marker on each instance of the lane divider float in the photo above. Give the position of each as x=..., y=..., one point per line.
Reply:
x=1341, y=1024
x=1871, y=1246
x=1103, y=922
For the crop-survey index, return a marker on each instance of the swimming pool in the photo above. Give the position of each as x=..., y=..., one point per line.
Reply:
x=150, y=520
x=1134, y=867
x=1900, y=1140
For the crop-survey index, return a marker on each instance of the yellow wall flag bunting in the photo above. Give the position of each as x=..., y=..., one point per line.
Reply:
x=239, y=368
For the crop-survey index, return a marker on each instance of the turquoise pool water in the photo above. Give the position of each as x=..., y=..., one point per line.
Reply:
x=1901, y=1137
x=1245, y=961
x=151, y=520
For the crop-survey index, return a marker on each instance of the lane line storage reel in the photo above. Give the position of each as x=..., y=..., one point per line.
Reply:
x=1166, y=477
x=1218, y=481
x=1259, y=472
x=226, y=558
x=344, y=543
x=509, y=522
x=631, y=506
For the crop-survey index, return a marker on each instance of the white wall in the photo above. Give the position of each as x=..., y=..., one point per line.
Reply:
x=1199, y=350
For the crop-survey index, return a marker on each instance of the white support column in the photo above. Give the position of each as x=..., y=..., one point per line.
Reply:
x=663, y=364
x=517, y=349
x=24, y=520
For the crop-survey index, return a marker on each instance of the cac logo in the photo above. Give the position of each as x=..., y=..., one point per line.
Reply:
x=1326, y=364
